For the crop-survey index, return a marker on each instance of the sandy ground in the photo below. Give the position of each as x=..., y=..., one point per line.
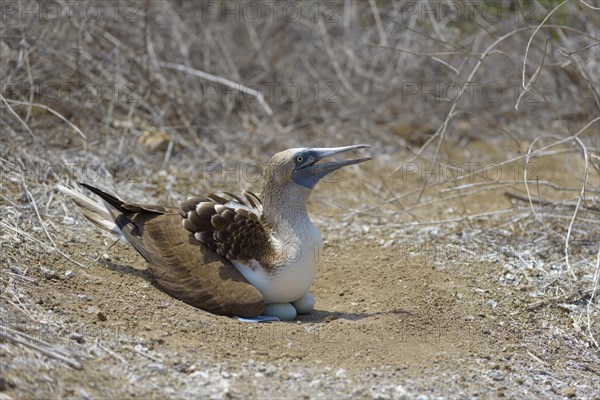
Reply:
x=430, y=286
x=403, y=311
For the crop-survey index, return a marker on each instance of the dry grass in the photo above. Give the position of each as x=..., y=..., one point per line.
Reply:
x=84, y=99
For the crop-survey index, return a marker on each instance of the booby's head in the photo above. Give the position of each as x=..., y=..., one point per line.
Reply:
x=300, y=168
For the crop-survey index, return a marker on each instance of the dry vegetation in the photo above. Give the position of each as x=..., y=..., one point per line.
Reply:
x=484, y=121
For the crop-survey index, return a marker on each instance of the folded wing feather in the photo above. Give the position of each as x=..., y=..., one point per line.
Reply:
x=233, y=228
x=183, y=266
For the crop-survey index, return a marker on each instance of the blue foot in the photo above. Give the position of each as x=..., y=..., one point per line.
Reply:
x=260, y=318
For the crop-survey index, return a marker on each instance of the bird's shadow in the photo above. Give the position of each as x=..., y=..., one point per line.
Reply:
x=319, y=316
x=128, y=270
x=316, y=316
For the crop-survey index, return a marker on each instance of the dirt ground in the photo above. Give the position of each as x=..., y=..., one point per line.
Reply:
x=443, y=275
x=402, y=312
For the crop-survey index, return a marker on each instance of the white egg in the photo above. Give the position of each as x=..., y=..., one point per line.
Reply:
x=283, y=311
x=305, y=304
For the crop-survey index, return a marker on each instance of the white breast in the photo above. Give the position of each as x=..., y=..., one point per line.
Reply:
x=292, y=280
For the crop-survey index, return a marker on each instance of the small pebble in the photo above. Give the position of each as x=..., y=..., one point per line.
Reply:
x=92, y=310
x=17, y=270
x=497, y=376
x=78, y=337
x=389, y=243
x=48, y=273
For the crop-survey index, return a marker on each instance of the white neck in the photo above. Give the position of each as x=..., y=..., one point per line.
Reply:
x=284, y=209
x=296, y=241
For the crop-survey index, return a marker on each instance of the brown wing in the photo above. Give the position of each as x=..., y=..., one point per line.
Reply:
x=231, y=227
x=184, y=267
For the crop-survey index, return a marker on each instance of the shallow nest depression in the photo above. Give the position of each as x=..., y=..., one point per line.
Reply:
x=463, y=260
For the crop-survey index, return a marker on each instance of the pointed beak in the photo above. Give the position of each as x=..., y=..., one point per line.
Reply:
x=309, y=173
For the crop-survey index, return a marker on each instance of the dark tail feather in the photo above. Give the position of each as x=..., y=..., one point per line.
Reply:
x=110, y=199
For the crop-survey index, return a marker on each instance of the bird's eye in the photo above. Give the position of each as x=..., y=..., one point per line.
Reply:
x=299, y=159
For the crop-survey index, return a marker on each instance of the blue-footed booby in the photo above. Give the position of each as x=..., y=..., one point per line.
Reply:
x=227, y=254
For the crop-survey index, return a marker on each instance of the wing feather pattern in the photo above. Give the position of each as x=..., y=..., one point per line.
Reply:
x=232, y=227
x=184, y=267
